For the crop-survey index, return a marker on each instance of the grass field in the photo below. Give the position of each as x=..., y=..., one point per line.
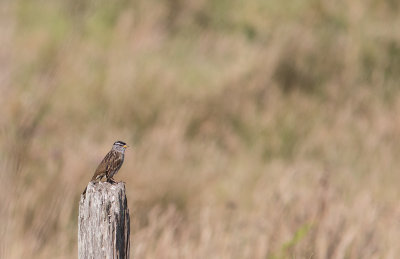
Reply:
x=258, y=129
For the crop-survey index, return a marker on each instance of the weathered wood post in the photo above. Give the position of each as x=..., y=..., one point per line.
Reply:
x=103, y=226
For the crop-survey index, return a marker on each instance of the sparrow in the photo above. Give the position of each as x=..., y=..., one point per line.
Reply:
x=111, y=163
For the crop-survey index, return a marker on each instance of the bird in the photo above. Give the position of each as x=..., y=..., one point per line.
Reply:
x=110, y=164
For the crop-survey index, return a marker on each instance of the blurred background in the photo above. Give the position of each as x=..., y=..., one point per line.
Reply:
x=258, y=129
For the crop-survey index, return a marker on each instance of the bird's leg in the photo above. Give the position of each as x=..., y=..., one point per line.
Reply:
x=111, y=180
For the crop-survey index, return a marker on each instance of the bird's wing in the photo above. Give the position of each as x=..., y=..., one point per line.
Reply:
x=103, y=167
x=114, y=165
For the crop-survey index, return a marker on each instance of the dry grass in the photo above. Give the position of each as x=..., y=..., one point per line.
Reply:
x=260, y=129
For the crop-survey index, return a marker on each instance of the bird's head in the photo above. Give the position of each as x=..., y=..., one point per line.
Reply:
x=120, y=145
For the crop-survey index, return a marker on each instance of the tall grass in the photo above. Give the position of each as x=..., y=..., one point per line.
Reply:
x=259, y=129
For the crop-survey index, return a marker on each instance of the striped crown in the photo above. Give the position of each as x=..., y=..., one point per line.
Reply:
x=119, y=143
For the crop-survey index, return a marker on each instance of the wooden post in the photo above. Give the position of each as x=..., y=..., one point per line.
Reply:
x=103, y=224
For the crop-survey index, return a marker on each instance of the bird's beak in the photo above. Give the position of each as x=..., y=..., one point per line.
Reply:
x=125, y=146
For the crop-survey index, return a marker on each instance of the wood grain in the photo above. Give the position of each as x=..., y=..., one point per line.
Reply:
x=103, y=223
